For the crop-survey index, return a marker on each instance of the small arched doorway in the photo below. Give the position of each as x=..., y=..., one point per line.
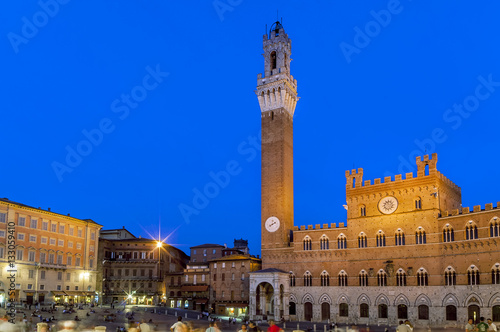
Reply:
x=325, y=311
x=474, y=313
x=308, y=311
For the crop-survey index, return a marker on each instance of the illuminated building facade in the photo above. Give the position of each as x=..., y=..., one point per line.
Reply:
x=55, y=255
x=409, y=250
x=135, y=270
x=230, y=281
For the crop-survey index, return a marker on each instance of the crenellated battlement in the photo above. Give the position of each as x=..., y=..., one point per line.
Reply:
x=467, y=210
x=425, y=167
x=319, y=226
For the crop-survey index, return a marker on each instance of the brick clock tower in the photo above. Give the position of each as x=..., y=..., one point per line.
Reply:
x=277, y=94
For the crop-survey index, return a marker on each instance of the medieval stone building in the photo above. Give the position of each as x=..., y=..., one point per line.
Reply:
x=408, y=249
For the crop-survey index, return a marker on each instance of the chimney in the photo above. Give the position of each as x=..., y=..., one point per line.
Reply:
x=68, y=214
x=48, y=209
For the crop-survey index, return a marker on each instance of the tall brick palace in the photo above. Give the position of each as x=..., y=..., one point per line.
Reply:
x=408, y=250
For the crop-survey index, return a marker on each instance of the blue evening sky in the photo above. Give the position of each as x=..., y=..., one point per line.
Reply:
x=121, y=111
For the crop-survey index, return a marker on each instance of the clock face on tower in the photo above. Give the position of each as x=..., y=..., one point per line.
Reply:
x=388, y=205
x=272, y=224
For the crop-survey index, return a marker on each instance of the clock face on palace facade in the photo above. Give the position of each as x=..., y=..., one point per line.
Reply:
x=388, y=205
x=272, y=224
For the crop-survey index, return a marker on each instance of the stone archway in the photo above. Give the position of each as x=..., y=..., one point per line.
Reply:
x=269, y=295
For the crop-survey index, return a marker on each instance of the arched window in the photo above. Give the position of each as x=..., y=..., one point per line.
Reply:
x=400, y=237
x=420, y=237
x=496, y=313
x=382, y=278
x=342, y=241
x=292, y=279
x=324, y=242
x=362, y=211
x=423, y=312
x=343, y=310
x=364, y=310
x=343, y=278
x=363, y=278
x=401, y=277
x=307, y=279
x=494, y=227
x=292, y=309
x=473, y=276
x=380, y=239
x=471, y=231
x=422, y=277
x=307, y=242
x=402, y=311
x=451, y=313
x=450, y=277
x=362, y=241
x=448, y=234
x=418, y=203
x=273, y=61
x=495, y=274
x=382, y=311
x=325, y=279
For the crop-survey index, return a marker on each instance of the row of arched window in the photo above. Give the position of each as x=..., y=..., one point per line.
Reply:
x=422, y=277
x=382, y=311
x=471, y=233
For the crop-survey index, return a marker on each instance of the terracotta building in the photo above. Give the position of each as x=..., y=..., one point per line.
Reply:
x=229, y=283
x=55, y=255
x=408, y=248
x=136, y=270
x=196, y=280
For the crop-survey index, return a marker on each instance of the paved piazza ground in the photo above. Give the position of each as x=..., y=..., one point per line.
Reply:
x=162, y=321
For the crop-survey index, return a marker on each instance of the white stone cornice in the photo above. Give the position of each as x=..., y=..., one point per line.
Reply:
x=277, y=94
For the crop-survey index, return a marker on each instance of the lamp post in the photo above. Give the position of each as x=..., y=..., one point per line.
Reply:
x=159, y=244
x=84, y=275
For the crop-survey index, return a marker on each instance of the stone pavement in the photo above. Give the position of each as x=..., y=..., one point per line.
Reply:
x=161, y=322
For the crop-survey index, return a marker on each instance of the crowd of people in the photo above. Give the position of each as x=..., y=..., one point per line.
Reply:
x=213, y=326
x=481, y=327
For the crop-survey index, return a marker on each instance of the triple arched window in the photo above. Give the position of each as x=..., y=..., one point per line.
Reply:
x=473, y=275
x=380, y=239
x=324, y=243
x=471, y=231
x=342, y=278
x=363, y=278
x=342, y=241
x=422, y=277
x=401, y=277
x=450, y=276
x=325, y=279
x=307, y=243
x=420, y=236
x=448, y=234
x=362, y=241
x=494, y=227
x=399, y=237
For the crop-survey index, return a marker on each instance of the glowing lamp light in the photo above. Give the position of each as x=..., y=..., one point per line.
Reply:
x=159, y=244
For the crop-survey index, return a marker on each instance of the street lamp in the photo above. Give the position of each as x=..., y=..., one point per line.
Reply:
x=159, y=245
x=84, y=275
